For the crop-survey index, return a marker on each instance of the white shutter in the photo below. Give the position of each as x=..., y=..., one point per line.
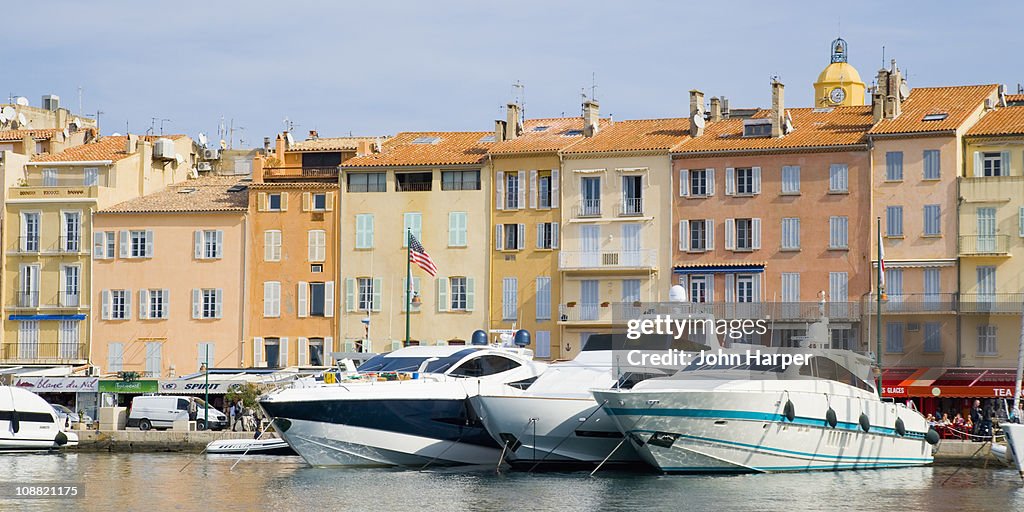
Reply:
x=149, y=243
x=218, y=244
x=533, y=189
x=756, y=286
x=198, y=244
x=756, y=171
x=105, y=301
x=521, y=200
x=128, y=304
x=453, y=229
x=143, y=304
x=328, y=349
x=499, y=239
x=63, y=230
x=522, y=237
x=470, y=294
x=978, y=171
x=311, y=245
x=167, y=303
x=1004, y=156
x=499, y=189
x=261, y=202
x=730, y=181
x=442, y=293
x=709, y=233
x=99, y=245
x=684, y=235
x=218, y=303
x=755, y=227
x=554, y=235
x=711, y=287
x=730, y=234
x=730, y=287
x=303, y=299
x=197, y=303
x=684, y=182
x=540, y=235
x=710, y=179
x=282, y=358
x=377, y=288
x=350, y=294
x=307, y=200
x=303, y=348
x=554, y=188
x=257, y=351
x=23, y=235
x=329, y=299
x=126, y=243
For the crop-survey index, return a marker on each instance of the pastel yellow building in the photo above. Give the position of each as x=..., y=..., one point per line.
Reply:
x=839, y=84
x=434, y=184
x=48, y=237
x=163, y=308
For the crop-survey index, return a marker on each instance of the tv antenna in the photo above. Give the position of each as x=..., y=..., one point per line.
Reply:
x=519, y=96
x=289, y=126
x=593, y=86
x=80, y=98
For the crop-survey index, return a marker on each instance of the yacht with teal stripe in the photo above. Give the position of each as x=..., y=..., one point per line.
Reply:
x=821, y=414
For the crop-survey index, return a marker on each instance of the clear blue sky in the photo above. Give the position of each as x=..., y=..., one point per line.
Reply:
x=379, y=67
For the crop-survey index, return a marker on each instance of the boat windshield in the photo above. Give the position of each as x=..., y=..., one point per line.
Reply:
x=695, y=367
x=381, y=363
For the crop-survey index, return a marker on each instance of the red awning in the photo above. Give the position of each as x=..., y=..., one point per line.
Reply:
x=948, y=382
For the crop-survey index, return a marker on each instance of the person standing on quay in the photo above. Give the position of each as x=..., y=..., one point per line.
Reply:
x=976, y=416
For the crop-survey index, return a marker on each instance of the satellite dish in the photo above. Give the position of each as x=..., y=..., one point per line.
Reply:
x=64, y=132
x=21, y=100
x=904, y=91
x=787, y=125
x=7, y=114
x=115, y=134
x=677, y=293
x=202, y=139
x=178, y=158
x=288, y=137
x=21, y=119
x=698, y=120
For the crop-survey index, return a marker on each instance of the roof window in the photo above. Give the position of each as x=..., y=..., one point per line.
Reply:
x=937, y=116
x=426, y=140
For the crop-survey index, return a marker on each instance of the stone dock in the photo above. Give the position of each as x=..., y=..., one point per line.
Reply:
x=151, y=440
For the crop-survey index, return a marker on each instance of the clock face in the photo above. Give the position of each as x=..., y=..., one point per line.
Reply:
x=837, y=95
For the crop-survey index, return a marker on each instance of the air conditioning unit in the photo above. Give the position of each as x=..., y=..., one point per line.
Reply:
x=211, y=154
x=204, y=166
x=51, y=102
x=163, y=149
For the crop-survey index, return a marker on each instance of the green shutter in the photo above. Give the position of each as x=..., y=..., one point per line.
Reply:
x=377, y=286
x=470, y=293
x=442, y=293
x=350, y=294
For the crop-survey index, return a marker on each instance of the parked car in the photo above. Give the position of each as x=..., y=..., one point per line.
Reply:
x=66, y=416
x=161, y=411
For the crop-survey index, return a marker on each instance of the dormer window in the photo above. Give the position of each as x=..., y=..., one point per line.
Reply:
x=938, y=116
x=757, y=127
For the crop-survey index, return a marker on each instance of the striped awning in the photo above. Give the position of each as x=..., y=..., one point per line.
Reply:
x=46, y=317
x=739, y=267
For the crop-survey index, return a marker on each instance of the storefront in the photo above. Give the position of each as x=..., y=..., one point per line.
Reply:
x=951, y=391
x=76, y=393
x=120, y=392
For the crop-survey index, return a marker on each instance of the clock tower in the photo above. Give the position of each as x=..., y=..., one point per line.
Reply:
x=839, y=83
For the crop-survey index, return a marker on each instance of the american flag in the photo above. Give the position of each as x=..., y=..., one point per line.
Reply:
x=419, y=256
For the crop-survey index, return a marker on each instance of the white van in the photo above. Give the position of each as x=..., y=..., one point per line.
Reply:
x=161, y=412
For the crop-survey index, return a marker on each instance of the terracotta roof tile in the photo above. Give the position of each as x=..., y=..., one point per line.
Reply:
x=1003, y=121
x=201, y=195
x=106, y=148
x=443, y=148
x=40, y=134
x=332, y=143
x=956, y=102
x=1014, y=98
x=635, y=135
x=813, y=128
x=557, y=133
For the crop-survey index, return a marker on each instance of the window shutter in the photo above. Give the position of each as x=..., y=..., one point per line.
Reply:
x=306, y=200
x=328, y=350
x=149, y=243
x=303, y=299
x=261, y=204
x=730, y=287
x=303, y=354
x=1020, y=221
x=540, y=235
x=756, y=171
x=710, y=175
x=711, y=287
x=197, y=303
x=377, y=288
x=329, y=299
x=99, y=244
x=369, y=231
x=554, y=188
x=554, y=235
x=283, y=352
x=730, y=181
x=127, y=304
x=499, y=190
x=105, y=301
x=350, y=294
x=218, y=244
x=521, y=200
x=978, y=171
x=311, y=245
x=730, y=234
x=709, y=233
x=329, y=204
x=756, y=288
x=453, y=229
x=143, y=304
x=499, y=231
x=125, y=244
x=257, y=351
x=522, y=236
x=684, y=235
x=684, y=182
x=1004, y=156
x=198, y=244
x=167, y=303
x=442, y=293
x=470, y=294
x=218, y=303
x=533, y=189
x=63, y=230
x=284, y=201
x=24, y=233
x=755, y=226
x=268, y=251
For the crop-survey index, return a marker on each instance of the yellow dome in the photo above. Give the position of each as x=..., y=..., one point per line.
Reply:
x=839, y=72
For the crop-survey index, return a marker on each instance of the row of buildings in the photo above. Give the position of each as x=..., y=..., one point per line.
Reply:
x=117, y=256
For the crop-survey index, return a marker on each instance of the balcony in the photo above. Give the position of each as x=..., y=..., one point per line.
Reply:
x=587, y=209
x=31, y=245
x=643, y=259
x=25, y=245
x=300, y=172
x=992, y=188
x=984, y=245
x=619, y=312
x=28, y=299
x=45, y=353
x=54, y=192
x=632, y=207
x=67, y=300
x=914, y=303
x=575, y=312
x=991, y=303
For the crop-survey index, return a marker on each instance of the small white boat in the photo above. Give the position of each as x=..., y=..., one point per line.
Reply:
x=269, y=446
x=29, y=423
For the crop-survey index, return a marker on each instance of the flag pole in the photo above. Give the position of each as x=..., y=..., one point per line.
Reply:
x=408, y=281
x=878, y=312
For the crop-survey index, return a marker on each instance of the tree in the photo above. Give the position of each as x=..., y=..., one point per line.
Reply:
x=248, y=392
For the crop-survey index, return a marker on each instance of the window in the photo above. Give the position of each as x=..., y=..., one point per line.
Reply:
x=838, y=232
x=992, y=164
x=838, y=178
x=209, y=244
x=119, y=304
x=932, y=284
x=510, y=237
x=700, y=288
x=744, y=234
x=28, y=287
x=547, y=235
x=630, y=290
x=457, y=231
x=632, y=195
x=71, y=289
x=460, y=180
x=154, y=353
x=745, y=181
x=509, y=298
x=316, y=351
x=413, y=181
x=364, y=231
x=49, y=177
x=319, y=202
x=153, y=303
x=28, y=339
x=272, y=245
x=791, y=179
x=512, y=190
x=790, y=288
x=274, y=202
x=745, y=288
x=271, y=299
x=591, y=192
x=317, y=299
x=366, y=294
x=458, y=292
x=932, y=225
x=137, y=244
x=894, y=337
x=894, y=221
x=987, y=340
x=206, y=303
x=589, y=299
x=115, y=357
x=30, y=231
x=842, y=339
x=894, y=284
x=757, y=128
x=272, y=352
x=931, y=164
x=790, y=234
x=316, y=268
x=71, y=240
x=544, y=189
x=367, y=182
x=414, y=222
x=543, y=345
x=701, y=182
x=698, y=235
x=543, y=304
x=894, y=166
x=91, y=177
x=109, y=244
x=932, y=337
x=317, y=250
x=205, y=354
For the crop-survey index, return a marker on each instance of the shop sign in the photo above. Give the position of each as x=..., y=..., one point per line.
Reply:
x=58, y=384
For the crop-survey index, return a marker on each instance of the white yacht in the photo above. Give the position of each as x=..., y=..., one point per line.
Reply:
x=28, y=423
x=822, y=415
x=420, y=417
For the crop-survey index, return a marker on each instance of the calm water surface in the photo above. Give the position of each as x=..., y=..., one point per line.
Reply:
x=153, y=482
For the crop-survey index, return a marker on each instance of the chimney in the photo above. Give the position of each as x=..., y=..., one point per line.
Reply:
x=716, y=109
x=257, y=167
x=132, y=145
x=266, y=145
x=725, y=107
x=280, y=146
x=696, y=109
x=313, y=135
x=591, y=119
x=28, y=145
x=513, y=128
x=363, y=148
x=877, y=107
x=778, y=107
x=499, y=130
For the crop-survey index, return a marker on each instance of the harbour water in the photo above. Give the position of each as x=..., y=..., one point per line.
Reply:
x=154, y=481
